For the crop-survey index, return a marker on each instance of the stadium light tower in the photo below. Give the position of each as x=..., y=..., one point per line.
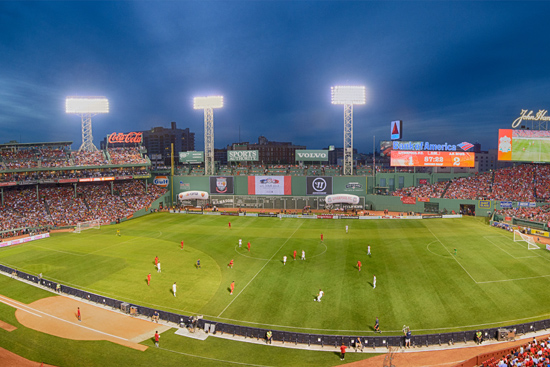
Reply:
x=208, y=104
x=348, y=96
x=87, y=107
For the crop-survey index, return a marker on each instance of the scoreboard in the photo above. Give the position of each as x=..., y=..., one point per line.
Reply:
x=407, y=158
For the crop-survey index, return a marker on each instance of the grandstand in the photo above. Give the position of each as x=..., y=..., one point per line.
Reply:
x=51, y=188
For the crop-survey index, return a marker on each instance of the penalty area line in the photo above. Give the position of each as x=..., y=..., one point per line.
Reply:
x=259, y=271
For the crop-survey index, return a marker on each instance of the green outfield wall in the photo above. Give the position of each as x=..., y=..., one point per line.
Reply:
x=362, y=186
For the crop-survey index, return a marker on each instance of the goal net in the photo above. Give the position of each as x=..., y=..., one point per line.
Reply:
x=82, y=226
x=519, y=237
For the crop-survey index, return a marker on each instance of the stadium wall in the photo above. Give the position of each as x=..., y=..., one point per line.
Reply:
x=360, y=185
x=356, y=185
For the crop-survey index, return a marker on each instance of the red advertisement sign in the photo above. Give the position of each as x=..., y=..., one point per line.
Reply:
x=96, y=179
x=425, y=200
x=325, y=216
x=408, y=200
x=133, y=137
x=67, y=180
x=423, y=181
x=8, y=183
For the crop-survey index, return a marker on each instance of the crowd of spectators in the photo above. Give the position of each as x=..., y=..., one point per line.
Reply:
x=527, y=183
x=470, y=188
x=536, y=214
x=39, y=157
x=57, y=175
x=530, y=133
x=56, y=205
x=514, y=183
x=533, y=354
x=82, y=158
x=423, y=191
x=126, y=156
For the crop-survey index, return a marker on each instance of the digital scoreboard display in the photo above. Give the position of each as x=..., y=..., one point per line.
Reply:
x=407, y=158
x=524, y=145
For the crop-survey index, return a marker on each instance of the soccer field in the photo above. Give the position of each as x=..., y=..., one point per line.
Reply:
x=420, y=281
x=531, y=150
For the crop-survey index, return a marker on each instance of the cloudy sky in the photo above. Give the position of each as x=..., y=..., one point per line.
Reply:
x=452, y=71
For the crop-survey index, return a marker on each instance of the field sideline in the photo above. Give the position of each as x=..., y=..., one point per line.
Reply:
x=491, y=281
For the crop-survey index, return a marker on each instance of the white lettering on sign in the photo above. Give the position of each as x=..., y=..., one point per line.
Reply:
x=528, y=116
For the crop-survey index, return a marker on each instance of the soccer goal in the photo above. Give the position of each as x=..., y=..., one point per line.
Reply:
x=91, y=224
x=519, y=237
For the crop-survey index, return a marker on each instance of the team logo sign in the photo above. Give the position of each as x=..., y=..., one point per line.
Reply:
x=319, y=185
x=221, y=185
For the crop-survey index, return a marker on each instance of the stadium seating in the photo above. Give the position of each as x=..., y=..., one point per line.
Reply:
x=535, y=353
x=57, y=206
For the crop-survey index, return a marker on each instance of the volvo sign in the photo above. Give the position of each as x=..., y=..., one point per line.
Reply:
x=311, y=155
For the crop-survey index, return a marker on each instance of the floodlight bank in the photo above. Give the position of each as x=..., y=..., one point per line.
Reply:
x=200, y=103
x=84, y=105
x=348, y=95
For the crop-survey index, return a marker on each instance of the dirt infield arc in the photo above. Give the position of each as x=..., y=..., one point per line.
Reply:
x=58, y=316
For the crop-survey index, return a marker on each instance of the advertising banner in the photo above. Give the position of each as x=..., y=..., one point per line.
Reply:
x=8, y=183
x=96, y=179
x=540, y=233
x=195, y=194
x=311, y=155
x=269, y=185
x=424, y=200
x=243, y=155
x=191, y=157
x=319, y=185
x=408, y=200
x=525, y=204
x=423, y=181
x=347, y=185
x=24, y=240
x=221, y=185
x=505, y=204
x=161, y=181
x=484, y=204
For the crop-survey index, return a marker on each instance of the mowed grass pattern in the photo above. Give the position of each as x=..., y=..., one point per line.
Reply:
x=420, y=281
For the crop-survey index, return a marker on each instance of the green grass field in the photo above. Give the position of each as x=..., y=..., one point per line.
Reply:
x=531, y=150
x=420, y=282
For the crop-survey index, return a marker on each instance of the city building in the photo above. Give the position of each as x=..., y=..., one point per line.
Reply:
x=158, y=140
x=270, y=152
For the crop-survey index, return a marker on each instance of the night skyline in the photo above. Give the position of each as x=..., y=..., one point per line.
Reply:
x=452, y=71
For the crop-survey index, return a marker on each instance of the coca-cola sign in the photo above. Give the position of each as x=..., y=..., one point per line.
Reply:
x=133, y=137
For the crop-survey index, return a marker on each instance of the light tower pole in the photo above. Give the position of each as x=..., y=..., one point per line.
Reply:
x=86, y=107
x=208, y=104
x=348, y=96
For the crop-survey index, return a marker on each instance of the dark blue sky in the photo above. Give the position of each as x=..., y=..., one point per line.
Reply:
x=452, y=71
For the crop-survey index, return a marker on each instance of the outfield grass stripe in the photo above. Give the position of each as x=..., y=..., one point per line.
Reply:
x=214, y=359
x=262, y=268
x=454, y=257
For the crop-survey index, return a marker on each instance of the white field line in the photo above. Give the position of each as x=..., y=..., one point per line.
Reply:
x=267, y=262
